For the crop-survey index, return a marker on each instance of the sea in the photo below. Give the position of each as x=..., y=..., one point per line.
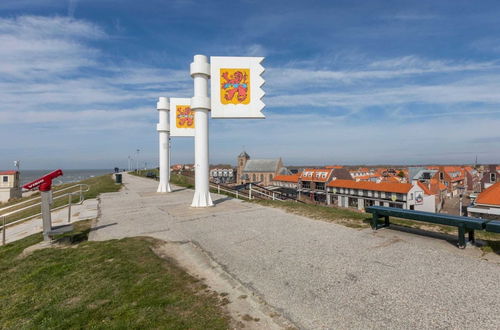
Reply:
x=68, y=175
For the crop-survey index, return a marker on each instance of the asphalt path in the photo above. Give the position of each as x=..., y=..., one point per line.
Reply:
x=319, y=275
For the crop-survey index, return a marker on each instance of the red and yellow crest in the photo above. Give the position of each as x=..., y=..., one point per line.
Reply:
x=184, y=116
x=235, y=86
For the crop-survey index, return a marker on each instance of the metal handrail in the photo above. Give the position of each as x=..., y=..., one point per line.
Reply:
x=83, y=188
x=39, y=197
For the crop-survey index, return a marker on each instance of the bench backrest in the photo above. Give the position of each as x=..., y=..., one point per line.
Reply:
x=439, y=218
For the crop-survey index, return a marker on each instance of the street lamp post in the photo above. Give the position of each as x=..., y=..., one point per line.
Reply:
x=461, y=190
x=137, y=160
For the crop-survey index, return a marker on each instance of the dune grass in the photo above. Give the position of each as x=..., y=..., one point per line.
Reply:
x=117, y=284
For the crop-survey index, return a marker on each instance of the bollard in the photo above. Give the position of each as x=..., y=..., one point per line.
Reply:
x=218, y=189
x=69, y=208
x=3, y=231
x=250, y=191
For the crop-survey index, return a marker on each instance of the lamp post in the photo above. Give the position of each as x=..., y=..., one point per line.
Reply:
x=461, y=190
x=129, y=163
x=137, y=160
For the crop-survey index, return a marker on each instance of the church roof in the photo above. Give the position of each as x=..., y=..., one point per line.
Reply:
x=243, y=154
x=261, y=165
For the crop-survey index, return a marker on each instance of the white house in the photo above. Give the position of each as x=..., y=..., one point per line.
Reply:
x=9, y=186
x=361, y=194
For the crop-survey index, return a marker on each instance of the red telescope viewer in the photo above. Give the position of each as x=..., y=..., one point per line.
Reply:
x=45, y=182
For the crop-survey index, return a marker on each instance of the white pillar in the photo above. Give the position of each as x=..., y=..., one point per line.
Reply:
x=163, y=129
x=200, y=104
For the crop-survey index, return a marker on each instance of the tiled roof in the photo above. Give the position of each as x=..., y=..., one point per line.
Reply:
x=287, y=178
x=490, y=196
x=426, y=189
x=391, y=179
x=8, y=173
x=401, y=188
x=261, y=165
x=334, y=166
x=341, y=173
x=316, y=174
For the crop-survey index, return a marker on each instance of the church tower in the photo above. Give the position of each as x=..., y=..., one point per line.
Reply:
x=242, y=161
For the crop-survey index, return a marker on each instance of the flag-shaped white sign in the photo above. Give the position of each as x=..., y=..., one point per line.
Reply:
x=236, y=87
x=181, y=117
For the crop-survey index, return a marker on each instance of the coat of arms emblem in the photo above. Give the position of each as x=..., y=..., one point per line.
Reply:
x=235, y=86
x=184, y=116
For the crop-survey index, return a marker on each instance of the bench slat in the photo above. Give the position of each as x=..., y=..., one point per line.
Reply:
x=493, y=226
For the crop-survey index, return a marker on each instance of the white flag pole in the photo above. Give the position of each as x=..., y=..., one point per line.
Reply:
x=163, y=129
x=200, y=104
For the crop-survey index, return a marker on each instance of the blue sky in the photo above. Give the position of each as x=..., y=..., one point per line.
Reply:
x=347, y=82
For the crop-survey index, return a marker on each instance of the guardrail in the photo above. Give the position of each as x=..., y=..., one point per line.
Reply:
x=252, y=192
x=82, y=188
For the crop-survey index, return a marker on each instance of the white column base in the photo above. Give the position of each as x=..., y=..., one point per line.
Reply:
x=164, y=188
x=202, y=199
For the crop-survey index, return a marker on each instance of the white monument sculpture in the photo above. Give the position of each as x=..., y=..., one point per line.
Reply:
x=236, y=92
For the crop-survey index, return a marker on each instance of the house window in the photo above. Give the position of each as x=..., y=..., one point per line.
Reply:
x=5, y=179
x=262, y=177
x=441, y=176
x=411, y=196
x=253, y=177
x=493, y=177
x=270, y=177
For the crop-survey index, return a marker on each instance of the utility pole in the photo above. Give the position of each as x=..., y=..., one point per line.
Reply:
x=129, y=163
x=137, y=160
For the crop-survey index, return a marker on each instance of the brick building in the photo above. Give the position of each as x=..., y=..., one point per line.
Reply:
x=258, y=171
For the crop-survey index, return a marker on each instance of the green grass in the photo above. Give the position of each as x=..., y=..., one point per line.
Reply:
x=177, y=179
x=331, y=214
x=117, y=284
x=97, y=185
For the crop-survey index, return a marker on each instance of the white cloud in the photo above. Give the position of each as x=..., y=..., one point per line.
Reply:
x=402, y=67
x=50, y=73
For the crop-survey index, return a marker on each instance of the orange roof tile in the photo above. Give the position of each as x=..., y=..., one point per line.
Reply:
x=401, y=188
x=8, y=173
x=287, y=178
x=334, y=166
x=391, y=179
x=490, y=196
x=426, y=189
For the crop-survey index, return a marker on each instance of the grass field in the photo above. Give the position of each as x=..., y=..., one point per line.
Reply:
x=97, y=185
x=117, y=284
x=177, y=179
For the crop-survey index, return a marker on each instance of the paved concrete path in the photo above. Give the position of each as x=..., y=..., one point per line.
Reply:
x=87, y=210
x=319, y=275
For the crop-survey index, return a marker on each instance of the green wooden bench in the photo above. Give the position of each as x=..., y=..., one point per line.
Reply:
x=493, y=226
x=464, y=224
